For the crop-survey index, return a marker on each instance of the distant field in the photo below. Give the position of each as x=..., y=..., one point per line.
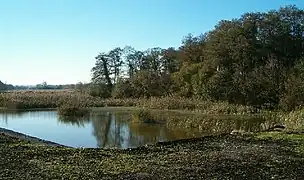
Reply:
x=42, y=90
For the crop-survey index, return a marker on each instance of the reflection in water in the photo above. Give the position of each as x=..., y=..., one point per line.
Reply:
x=74, y=121
x=11, y=115
x=116, y=129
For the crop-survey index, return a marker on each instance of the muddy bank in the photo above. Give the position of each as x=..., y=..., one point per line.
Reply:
x=262, y=156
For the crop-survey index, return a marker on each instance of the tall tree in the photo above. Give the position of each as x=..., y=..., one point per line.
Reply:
x=101, y=71
x=171, y=61
x=133, y=59
x=115, y=62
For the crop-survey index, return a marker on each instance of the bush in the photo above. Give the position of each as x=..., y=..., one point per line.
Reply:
x=294, y=95
x=123, y=89
x=72, y=111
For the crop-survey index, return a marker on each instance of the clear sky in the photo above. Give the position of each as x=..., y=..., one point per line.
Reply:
x=56, y=40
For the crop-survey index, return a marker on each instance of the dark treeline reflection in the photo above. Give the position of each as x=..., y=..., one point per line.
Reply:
x=116, y=130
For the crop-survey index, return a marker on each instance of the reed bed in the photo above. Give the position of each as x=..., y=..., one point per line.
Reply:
x=73, y=102
x=295, y=119
x=55, y=99
x=210, y=124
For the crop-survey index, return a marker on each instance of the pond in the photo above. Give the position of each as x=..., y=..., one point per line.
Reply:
x=116, y=130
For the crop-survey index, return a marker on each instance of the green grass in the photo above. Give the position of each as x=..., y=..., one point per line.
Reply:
x=296, y=140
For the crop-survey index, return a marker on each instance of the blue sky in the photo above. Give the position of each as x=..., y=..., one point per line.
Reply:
x=56, y=40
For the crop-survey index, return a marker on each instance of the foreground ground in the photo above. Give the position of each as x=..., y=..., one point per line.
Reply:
x=261, y=156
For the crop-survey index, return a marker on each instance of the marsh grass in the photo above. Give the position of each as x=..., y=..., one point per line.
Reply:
x=193, y=104
x=294, y=119
x=197, y=123
x=72, y=102
x=55, y=99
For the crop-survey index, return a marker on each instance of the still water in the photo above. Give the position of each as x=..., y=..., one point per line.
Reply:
x=107, y=129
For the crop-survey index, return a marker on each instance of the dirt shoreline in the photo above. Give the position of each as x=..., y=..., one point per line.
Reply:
x=262, y=156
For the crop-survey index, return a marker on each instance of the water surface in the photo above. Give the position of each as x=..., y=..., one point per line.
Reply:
x=114, y=129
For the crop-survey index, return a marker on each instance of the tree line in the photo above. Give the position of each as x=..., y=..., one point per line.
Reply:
x=43, y=86
x=256, y=60
x=4, y=86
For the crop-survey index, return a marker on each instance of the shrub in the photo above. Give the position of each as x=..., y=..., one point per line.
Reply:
x=72, y=111
x=100, y=90
x=123, y=89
